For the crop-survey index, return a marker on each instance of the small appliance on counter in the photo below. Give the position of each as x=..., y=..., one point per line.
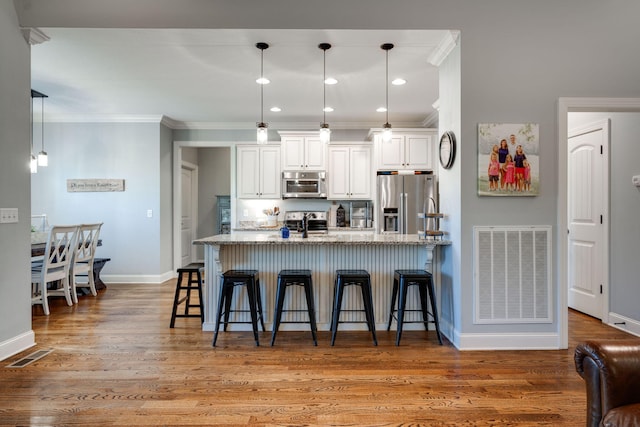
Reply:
x=341, y=218
x=360, y=215
x=316, y=221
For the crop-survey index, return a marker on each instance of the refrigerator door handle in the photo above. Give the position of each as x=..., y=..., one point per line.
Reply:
x=401, y=215
x=405, y=214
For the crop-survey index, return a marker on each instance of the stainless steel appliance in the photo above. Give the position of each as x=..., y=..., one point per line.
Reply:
x=223, y=204
x=360, y=215
x=304, y=185
x=316, y=221
x=402, y=197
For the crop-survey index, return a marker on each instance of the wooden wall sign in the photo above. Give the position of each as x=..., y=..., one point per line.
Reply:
x=94, y=185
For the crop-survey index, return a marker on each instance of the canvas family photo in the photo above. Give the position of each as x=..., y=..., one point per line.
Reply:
x=508, y=159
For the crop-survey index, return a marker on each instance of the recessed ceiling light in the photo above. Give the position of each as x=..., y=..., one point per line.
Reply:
x=327, y=109
x=263, y=81
x=276, y=109
x=381, y=109
x=330, y=81
x=398, y=82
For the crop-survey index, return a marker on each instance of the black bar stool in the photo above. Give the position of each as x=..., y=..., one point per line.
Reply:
x=229, y=280
x=288, y=278
x=195, y=271
x=402, y=279
x=346, y=278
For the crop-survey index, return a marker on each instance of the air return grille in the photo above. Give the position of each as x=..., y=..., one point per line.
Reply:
x=512, y=282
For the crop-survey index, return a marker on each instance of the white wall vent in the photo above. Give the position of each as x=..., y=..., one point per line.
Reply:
x=512, y=280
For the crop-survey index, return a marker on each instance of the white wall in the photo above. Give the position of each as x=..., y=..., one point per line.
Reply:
x=15, y=101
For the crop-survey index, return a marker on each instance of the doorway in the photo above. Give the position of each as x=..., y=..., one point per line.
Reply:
x=565, y=106
x=189, y=211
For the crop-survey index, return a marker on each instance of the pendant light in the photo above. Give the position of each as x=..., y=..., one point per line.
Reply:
x=43, y=159
x=262, y=137
x=33, y=163
x=325, y=132
x=386, y=128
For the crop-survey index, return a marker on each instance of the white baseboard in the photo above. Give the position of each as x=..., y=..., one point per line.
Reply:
x=623, y=323
x=16, y=344
x=124, y=278
x=509, y=341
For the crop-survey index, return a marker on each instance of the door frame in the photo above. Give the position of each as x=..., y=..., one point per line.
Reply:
x=177, y=188
x=194, y=204
x=566, y=105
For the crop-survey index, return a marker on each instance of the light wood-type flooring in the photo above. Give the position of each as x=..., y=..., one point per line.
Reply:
x=115, y=361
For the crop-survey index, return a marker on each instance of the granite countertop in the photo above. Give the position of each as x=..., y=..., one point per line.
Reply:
x=341, y=238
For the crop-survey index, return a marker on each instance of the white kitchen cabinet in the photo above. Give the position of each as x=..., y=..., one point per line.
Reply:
x=406, y=151
x=258, y=172
x=303, y=151
x=349, y=174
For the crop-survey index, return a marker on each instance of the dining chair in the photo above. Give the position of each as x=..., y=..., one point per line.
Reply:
x=83, y=259
x=54, y=267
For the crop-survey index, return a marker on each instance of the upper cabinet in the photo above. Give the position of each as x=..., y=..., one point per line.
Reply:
x=413, y=150
x=258, y=172
x=349, y=175
x=302, y=151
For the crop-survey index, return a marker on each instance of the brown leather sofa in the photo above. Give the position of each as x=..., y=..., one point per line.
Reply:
x=611, y=370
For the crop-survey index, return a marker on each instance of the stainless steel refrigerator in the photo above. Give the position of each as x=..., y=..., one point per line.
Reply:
x=401, y=198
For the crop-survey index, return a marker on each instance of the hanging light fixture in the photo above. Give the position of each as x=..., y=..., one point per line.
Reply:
x=33, y=163
x=43, y=159
x=325, y=132
x=262, y=137
x=386, y=128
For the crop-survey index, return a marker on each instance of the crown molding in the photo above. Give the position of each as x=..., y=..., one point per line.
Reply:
x=104, y=118
x=444, y=48
x=34, y=35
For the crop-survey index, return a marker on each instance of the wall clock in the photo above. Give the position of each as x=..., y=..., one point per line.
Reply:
x=447, y=149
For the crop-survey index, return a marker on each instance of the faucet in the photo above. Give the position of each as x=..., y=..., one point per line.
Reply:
x=305, y=224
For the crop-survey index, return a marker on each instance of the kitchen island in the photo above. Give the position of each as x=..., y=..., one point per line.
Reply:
x=323, y=254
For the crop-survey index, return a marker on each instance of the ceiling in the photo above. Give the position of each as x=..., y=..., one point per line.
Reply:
x=204, y=78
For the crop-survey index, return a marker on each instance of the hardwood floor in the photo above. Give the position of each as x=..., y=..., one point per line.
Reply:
x=115, y=361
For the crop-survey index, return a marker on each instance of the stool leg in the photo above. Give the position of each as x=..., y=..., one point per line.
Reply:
x=282, y=286
x=336, y=310
x=394, y=294
x=228, y=296
x=221, y=302
x=424, y=303
x=199, y=275
x=311, y=310
x=402, y=303
x=251, y=293
x=259, y=301
x=188, y=300
x=175, y=302
x=434, y=309
x=368, y=309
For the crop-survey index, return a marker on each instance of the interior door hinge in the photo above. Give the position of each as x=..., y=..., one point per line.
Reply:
x=601, y=150
x=600, y=219
x=601, y=289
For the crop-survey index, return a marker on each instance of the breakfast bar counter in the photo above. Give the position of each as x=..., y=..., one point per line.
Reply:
x=323, y=254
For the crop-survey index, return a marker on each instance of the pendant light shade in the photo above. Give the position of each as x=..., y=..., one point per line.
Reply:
x=325, y=131
x=262, y=134
x=386, y=128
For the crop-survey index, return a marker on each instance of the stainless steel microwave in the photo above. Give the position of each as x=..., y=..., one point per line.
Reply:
x=304, y=185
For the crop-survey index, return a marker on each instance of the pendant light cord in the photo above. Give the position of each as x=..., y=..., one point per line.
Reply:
x=324, y=86
x=261, y=85
x=42, y=121
x=387, y=85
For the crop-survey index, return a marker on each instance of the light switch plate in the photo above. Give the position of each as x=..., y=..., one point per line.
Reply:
x=8, y=215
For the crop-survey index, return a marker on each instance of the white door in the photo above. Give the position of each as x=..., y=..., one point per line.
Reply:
x=187, y=221
x=587, y=210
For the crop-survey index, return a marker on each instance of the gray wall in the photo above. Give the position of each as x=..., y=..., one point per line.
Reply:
x=15, y=101
x=139, y=247
x=624, y=207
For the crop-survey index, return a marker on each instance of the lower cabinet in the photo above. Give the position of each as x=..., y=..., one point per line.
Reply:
x=349, y=172
x=258, y=172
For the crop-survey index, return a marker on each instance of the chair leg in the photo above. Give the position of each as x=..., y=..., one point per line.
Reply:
x=221, y=303
x=72, y=285
x=311, y=310
x=402, y=303
x=278, y=311
x=368, y=305
x=66, y=288
x=394, y=294
x=434, y=309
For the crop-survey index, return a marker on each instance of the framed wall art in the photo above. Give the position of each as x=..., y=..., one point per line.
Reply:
x=508, y=159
